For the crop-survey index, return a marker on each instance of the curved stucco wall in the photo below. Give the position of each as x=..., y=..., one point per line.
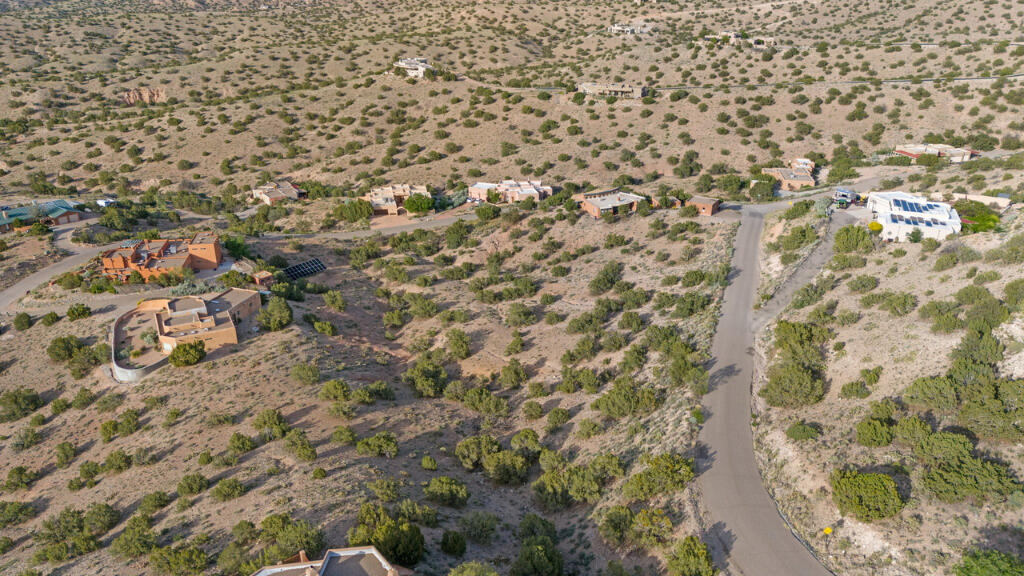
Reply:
x=124, y=374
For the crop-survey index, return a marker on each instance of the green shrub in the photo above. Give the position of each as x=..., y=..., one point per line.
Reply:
x=192, y=484
x=447, y=491
x=22, y=321
x=380, y=444
x=136, y=540
x=800, y=431
x=187, y=354
x=453, y=543
x=228, y=489
x=874, y=432
x=78, y=312
x=866, y=496
x=14, y=513
x=18, y=403
x=690, y=557
x=185, y=560
x=664, y=473
x=988, y=563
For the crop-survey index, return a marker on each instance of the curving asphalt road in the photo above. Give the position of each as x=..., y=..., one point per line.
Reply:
x=747, y=531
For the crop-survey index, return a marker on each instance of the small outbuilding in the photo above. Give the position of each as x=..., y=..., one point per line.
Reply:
x=705, y=206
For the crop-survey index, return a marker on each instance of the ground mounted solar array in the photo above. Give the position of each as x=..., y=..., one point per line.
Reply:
x=307, y=268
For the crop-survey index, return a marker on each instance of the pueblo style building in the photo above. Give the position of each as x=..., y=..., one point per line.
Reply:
x=151, y=258
x=215, y=321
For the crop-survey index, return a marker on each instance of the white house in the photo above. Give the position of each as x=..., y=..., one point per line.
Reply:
x=900, y=214
x=414, y=67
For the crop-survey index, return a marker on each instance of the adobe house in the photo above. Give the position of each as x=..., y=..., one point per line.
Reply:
x=508, y=191
x=273, y=193
x=358, y=561
x=799, y=174
x=599, y=203
x=216, y=321
x=705, y=206
x=391, y=199
x=151, y=258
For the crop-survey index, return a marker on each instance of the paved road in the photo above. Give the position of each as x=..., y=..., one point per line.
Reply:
x=79, y=256
x=751, y=535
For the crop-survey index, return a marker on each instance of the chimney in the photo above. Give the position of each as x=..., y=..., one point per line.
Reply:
x=302, y=556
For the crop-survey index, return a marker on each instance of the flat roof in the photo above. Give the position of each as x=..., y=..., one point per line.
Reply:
x=612, y=199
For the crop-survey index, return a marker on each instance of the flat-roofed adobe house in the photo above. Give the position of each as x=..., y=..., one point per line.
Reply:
x=799, y=174
x=276, y=192
x=614, y=201
x=52, y=213
x=508, y=191
x=216, y=321
x=705, y=206
x=360, y=561
x=391, y=199
x=151, y=258
x=953, y=154
x=619, y=90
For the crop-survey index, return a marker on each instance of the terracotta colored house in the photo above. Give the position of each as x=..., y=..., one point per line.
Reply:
x=705, y=206
x=151, y=258
x=263, y=278
x=216, y=321
x=599, y=203
x=359, y=561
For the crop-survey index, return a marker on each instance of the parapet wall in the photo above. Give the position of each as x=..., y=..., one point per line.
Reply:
x=124, y=374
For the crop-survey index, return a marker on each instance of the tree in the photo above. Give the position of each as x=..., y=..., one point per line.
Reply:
x=192, y=484
x=447, y=491
x=458, y=344
x=137, y=539
x=866, y=496
x=334, y=300
x=690, y=557
x=419, y=203
x=185, y=560
x=453, y=543
x=22, y=321
x=16, y=404
x=187, y=354
x=78, y=312
x=989, y=563
x=276, y=315
x=473, y=569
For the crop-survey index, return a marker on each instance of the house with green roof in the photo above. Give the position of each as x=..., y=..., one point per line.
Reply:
x=51, y=213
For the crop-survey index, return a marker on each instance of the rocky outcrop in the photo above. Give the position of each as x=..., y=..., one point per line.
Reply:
x=145, y=95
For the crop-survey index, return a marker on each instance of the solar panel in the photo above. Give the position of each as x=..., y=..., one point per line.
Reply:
x=307, y=268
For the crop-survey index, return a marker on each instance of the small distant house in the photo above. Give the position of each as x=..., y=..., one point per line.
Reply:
x=900, y=214
x=798, y=175
x=414, y=67
x=263, y=278
x=51, y=213
x=360, y=561
x=705, y=206
x=953, y=154
x=613, y=201
x=275, y=192
x=390, y=199
x=619, y=90
x=630, y=29
x=508, y=191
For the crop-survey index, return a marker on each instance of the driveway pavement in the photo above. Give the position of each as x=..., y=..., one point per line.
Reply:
x=746, y=528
